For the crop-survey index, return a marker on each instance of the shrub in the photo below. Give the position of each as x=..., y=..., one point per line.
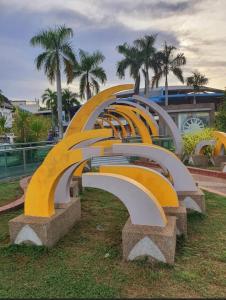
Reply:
x=190, y=140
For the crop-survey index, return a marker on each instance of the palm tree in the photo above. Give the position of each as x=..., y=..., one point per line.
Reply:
x=197, y=80
x=89, y=71
x=69, y=100
x=132, y=60
x=167, y=63
x=58, y=54
x=147, y=51
x=49, y=98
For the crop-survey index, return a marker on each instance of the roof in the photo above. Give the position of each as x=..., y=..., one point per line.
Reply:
x=6, y=102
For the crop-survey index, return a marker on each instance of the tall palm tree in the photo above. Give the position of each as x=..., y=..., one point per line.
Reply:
x=133, y=61
x=49, y=98
x=147, y=51
x=58, y=54
x=168, y=63
x=197, y=80
x=69, y=100
x=89, y=71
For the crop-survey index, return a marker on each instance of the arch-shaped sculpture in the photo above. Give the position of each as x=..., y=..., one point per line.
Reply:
x=167, y=119
x=156, y=183
x=202, y=144
x=145, y=114
x=86, y=116
x=220, y=145
x=39, y=198
x=123, y=130
x=142, y=206
x=115, y=132
x=139, y=124
x=130, y=123
x=182, y=179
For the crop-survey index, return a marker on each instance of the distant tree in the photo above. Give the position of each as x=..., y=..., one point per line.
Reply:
x=69, y=100
x=147, y=52
x=133, y=61
x=39, y=126
x=90, y=72
x=57, y=54
x=21, y=125
x=197, y=80
x=3, y=128
x=167, y=62
x=220, y=119
x=49, y=98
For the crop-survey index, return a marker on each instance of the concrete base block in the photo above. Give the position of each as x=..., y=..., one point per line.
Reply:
x=181, y=216
x=45, y=231
x=79, y=180
x=199, y=160
x=74, y=188
x=223, y=167
x=193, y=201
x=218, y=160
x=156, y=243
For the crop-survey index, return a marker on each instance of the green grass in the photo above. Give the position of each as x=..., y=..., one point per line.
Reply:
x=87, y=262
x=9, y=191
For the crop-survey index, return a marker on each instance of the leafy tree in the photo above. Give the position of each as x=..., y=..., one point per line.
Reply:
x=197, y=80
x=147, y=52
x=69, y=100
x=220, y=119
x=28, y=127
x=133, y=61
x=167, y=62
x=39, y=126
x=58, y=54
x=3, y=128
x=49, y=98
x=90, y=72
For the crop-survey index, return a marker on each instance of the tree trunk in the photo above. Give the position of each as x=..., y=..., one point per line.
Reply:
x=147, y=82
x=88, y=91
x=59, y=103
x=137, y=85
x=166, y=92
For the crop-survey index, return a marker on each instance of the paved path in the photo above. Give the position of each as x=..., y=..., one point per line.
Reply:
x=19, y=202
x=211, y=184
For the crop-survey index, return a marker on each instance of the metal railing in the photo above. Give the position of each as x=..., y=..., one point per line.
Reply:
x=21, y=161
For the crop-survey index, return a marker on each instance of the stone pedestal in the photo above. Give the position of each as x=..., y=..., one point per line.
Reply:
x=181, y=216
x=223, y=167
x=156, y=243
x=74, y=188
x=45, y=231
x=218, y=160
x=199, y=160
x=193, y=201
x=79, y=180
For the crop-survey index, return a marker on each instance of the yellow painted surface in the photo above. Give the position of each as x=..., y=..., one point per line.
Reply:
x=100, y=123
x=115, y=131
x=80, y=168
x=221, y=141
x=39, y=197
x=123, y=130
x=149, y=121
x=130, y=123
x=81, y=117
x=155, y=183
x=139, y=124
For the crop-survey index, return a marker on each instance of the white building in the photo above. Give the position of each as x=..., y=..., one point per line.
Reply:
x=6, y=110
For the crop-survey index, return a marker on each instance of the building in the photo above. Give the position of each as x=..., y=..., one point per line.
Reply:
x=6, y=110
x=189, y=110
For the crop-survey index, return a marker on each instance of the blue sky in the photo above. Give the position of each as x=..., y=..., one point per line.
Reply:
x=196, y=27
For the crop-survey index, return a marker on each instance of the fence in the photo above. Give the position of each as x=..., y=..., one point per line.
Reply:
x=21, y=161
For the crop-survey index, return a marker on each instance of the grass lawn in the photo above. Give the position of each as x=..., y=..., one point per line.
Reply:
x=9, y=191
x=88, y=261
